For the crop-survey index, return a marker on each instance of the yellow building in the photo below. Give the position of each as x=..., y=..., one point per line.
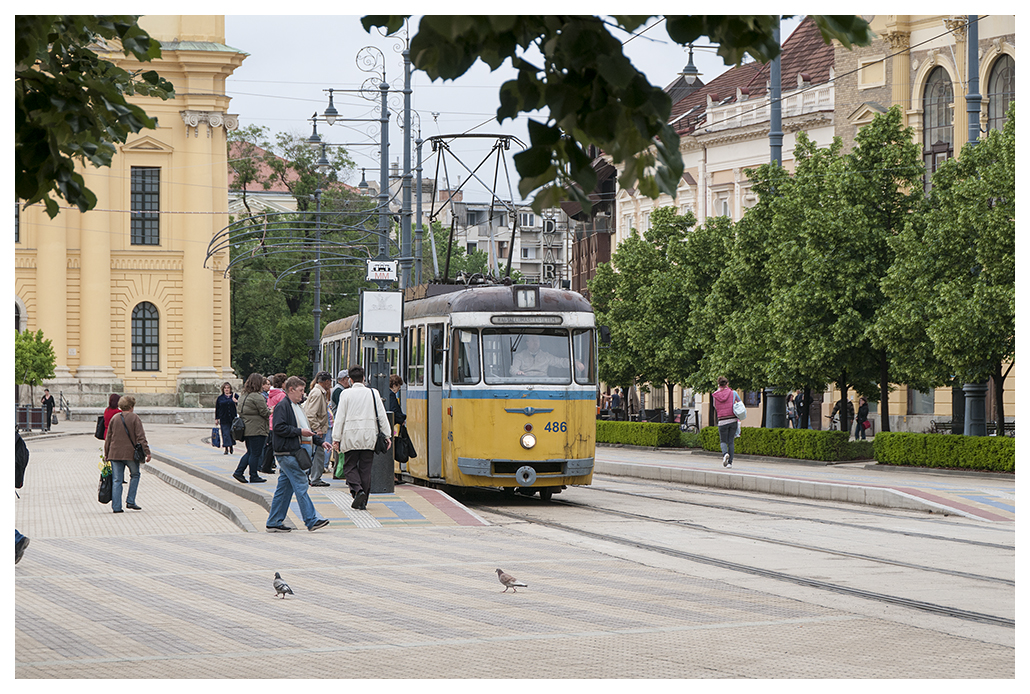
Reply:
x=122, y=291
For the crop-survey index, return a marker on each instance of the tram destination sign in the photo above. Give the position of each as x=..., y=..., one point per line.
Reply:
x=526, y=320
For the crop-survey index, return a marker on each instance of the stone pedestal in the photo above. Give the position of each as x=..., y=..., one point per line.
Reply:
x=198, y=386
x=976, y=409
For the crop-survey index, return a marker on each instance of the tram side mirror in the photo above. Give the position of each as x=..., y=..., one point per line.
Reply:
x=605, y=334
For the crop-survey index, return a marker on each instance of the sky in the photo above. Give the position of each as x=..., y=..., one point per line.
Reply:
x=294, y=58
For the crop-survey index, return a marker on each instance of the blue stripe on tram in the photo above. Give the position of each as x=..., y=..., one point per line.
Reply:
x=506, y=394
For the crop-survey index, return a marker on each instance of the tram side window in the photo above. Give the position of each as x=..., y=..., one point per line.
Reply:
x=583, y=352
x=416, y=357
x=465, y=345
x=436, y=353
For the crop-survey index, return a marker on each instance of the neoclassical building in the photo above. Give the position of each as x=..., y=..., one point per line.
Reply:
x=123, y=291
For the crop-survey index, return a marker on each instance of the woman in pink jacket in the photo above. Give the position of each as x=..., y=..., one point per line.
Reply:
x=727, y=421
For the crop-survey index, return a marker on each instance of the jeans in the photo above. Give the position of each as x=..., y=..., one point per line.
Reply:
x=118, y=477
x=317, y=464
x=727, y=432
x=859, y=429
x=357, y=468
x=252, y=458
x=292, y=481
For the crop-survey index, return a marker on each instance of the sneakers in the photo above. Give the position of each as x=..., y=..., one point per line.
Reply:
x=320, y=523
x=725, y=459
x=19, y=548
x=277, y=529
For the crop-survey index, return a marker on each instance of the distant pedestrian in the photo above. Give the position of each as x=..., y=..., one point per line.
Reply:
x=849, y=412
x=290, y=432
x=727, y=421
x=617, y=405
x=266, y=385
x=342, y=384
x=21, y=461
x=125, y=432
x=48, y=408
x=395, y=399
x=254, y=411
x=225, y=412
x=317, y=412
x=355, y=432
x=275, y=396
x=111, y=411
x=861, y=418
x=792, y=412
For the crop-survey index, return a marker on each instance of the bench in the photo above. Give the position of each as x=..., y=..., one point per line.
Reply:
x=943, y=426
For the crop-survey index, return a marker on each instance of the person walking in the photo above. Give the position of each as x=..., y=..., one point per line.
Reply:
x=861, y=418
x=125, y=431
x=21, y=461
x=225, y=412
x=111, y=411
x=616, y=403
x=290, y=432
x=792, y=412
x=342, y=384
x=727, y=421
x=48, y=408
x=354, y=433
x=850, y=409
x=317, y=412
x=275, y=396
x=254, y=411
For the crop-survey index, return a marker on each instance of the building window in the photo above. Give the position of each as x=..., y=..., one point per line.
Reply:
x=627, y=223
x=1001, y=90
x=938, y=131
x=471, y=247
x=145, y=205
x=144, y=337
x=527, y=219
x=920, y=402
x=17, y=317
x=17, y=223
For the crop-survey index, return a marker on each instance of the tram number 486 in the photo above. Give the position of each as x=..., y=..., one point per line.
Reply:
x=556, y=426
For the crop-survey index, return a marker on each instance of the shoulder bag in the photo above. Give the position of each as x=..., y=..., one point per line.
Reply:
x=99, y=433
x=303, y=458
x=739, y=411
x=382, y=443
x=238, y=429
x=139, y=456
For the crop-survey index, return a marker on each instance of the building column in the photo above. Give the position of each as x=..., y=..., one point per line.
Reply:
x=95, y=371
x=52, y=295
x=901, y=70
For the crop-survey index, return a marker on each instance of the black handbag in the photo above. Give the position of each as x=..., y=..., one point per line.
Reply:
x=99, y=433
x=303, y=458
x=403, y=448
x=238, y=428
x=104, y=488
x=139, y=456
x=382, y=442
x=268, y=458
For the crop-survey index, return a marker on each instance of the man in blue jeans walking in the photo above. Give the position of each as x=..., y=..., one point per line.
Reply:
x=290, y=432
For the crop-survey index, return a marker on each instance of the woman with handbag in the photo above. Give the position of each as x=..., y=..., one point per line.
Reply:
x=861, y=418
x=254, y=411
x=225, y=412
x=125, y=447
x=727, y=419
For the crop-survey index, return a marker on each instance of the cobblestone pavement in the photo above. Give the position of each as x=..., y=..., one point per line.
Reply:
x=179, y=591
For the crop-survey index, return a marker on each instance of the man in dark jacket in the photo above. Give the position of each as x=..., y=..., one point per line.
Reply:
x=290, y=432
x=21, y=461
x=48, y=408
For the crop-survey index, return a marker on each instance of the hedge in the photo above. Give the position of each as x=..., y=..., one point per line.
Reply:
x=996, y=453
x=805, y=444
x=649, y=434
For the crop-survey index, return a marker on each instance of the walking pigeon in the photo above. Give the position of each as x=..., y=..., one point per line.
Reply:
x=281, y=588
x=509, y=581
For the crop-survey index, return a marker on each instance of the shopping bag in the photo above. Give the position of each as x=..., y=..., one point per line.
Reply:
x=216, y=437
x=104, y=487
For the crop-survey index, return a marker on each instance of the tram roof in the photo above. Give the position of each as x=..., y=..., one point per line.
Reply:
x=442, y=299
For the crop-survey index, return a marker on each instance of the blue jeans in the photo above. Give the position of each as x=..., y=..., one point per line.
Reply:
x=727, y=432
x=292, y=480
x=859, y=429
x=252, y=458
x=118, y=477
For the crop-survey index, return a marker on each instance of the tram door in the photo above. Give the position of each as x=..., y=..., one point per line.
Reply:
x=434, y=401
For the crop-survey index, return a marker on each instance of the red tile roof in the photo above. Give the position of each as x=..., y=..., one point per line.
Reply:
x=236, y=151
x=803, y=52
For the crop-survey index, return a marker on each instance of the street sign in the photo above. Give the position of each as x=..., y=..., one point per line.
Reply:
x=381, y=270
x=381, y=313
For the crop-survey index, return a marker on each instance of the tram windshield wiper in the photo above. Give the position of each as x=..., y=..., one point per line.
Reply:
x=515, y=345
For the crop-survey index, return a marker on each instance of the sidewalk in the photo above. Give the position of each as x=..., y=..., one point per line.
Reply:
x=983, y=496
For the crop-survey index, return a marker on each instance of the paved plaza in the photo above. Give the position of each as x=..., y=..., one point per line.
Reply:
x=180, y=590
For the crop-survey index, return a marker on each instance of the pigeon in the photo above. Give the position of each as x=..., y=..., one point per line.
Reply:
x=509, y=581
x=281, y=588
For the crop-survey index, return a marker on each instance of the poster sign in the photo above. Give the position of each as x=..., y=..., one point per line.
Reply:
x=381, y=270
x=381, y=313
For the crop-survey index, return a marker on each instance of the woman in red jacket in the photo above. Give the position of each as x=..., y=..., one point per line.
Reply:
x=111, y=411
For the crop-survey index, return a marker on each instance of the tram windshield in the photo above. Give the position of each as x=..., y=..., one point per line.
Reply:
x=532, y=355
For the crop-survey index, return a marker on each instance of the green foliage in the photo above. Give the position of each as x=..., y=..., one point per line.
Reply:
x=649, y=434
x=591, y=92
x=803, y=444
x=946, y=451
x=34, y=358
x=690, y=439
x=859, y=450
x=70, y=104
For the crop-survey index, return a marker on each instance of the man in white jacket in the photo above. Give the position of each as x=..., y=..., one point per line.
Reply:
x=354, y=432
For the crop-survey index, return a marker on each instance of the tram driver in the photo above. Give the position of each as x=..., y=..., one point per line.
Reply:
x=531, y=360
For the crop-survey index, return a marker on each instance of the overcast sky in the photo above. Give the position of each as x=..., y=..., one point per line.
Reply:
x=293, y=59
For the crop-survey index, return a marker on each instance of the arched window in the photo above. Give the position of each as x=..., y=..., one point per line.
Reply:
x=938, y=130
x=144, y=337
x=17, y=317
x=1001, y=90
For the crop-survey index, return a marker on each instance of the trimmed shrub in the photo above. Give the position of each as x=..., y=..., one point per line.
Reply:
x=804, y=444
x=689, y=439
x=650, y=434
x=996, y=453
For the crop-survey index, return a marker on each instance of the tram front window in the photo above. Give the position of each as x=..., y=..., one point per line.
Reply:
x=528, y=356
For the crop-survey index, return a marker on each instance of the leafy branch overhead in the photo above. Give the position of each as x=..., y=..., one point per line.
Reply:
x=573, y=70
x=70, y=103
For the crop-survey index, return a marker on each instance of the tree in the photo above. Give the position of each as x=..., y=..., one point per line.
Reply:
x=34, y=359
x=592, y=93
x=955, y=262
x=70, y=104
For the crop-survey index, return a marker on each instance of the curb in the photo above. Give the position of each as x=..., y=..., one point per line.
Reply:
x=226, y=509
x=211, y=478
x=944, y=472
x=751, y=482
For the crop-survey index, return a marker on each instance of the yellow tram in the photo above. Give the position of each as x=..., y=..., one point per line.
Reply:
x=500, y=384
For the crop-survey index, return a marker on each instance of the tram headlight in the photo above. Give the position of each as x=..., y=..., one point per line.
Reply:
x=528, y=441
